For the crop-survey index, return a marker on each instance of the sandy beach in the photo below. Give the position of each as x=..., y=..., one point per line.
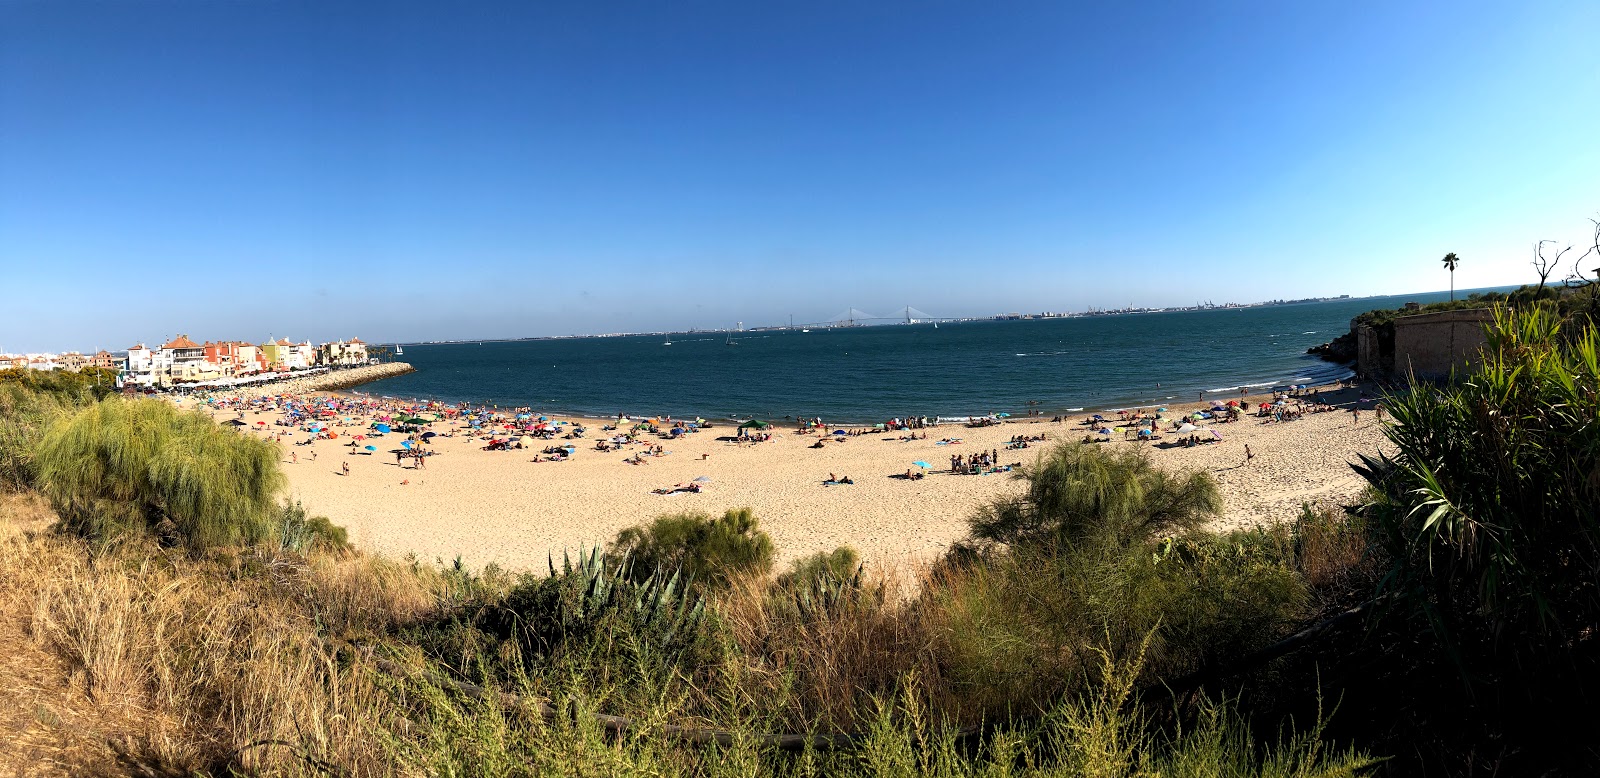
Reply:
x=503, y=507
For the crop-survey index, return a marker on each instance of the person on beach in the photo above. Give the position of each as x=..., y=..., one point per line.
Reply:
x=1248, y=454
x=345, y=468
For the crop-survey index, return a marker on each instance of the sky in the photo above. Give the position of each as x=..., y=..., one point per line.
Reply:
x=416, y=171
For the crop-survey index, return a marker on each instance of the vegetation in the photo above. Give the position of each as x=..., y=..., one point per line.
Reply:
x=120, y=466
x=709, y=551
x=1489, y=509
x=1091, y=625
x=1450, y=262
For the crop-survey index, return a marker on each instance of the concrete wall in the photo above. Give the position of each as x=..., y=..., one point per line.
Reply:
x=1429, y=345
x=1369, y=360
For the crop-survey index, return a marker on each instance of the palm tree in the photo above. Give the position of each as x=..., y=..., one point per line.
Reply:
x=1450, y=261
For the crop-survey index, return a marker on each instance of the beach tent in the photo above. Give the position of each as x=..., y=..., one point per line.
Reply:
x=755, y=423
x=1188, y=428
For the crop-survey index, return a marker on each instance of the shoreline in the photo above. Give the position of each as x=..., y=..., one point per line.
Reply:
x=515, y=507
x=1334, y=373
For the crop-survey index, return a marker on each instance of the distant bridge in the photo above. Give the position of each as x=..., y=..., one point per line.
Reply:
x=855, y=316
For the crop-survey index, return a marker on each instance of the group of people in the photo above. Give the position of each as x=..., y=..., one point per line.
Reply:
x=973, y=464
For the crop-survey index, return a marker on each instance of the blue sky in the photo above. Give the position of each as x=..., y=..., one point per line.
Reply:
x=442, y=170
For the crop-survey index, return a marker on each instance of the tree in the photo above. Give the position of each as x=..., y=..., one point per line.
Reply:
x=1543, y=265
x=1450, y=261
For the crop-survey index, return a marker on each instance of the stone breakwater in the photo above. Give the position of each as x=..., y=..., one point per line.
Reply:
x=333, y=380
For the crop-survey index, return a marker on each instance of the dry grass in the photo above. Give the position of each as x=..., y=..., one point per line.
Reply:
x=128, y=658
x=830, y=662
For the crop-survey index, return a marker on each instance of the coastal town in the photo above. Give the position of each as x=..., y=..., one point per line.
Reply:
x=183, y=362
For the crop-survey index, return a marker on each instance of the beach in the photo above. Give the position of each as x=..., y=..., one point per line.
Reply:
x=503, y=507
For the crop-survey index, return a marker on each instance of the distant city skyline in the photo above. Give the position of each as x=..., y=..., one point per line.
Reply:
x=411, y=171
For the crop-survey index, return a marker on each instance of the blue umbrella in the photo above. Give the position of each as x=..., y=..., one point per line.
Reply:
x=372, y=448
x=1105, y=430
x=405, y=444
x=382, y=427
x=840, y=432
x=920, y=463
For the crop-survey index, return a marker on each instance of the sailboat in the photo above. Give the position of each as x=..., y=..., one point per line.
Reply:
x=669, y=340
x=936, y=325
x=398, y=351
x=730, y=341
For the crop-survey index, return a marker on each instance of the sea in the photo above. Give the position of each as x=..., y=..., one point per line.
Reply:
x=872, y=373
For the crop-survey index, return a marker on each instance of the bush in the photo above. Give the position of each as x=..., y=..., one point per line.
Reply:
x=1080, y=494
x=301, y=533
x=1490, y=506
x=138, y=465
x=710, y=552
x=24, y=415
x=840, y=564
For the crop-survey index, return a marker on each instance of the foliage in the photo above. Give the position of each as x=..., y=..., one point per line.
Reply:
x=301, y=533
x=708, y=551
x=1079, y=494
x=589, y=613
x=840, y=564
x=136, y=465
x=1490, y=505
x=73, y=387
x=24, y=415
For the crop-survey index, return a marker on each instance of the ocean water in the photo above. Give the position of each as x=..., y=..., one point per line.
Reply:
x=873, y=373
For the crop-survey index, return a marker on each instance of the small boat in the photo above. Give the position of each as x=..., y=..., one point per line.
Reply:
x=669, y=341
x=936, y=325
x=730, y=341
x=397, y=350
x=805, y=330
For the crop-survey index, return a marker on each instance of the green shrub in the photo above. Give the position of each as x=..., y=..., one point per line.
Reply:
x=138, y=465
x=301, y=533
x=710, y=552
x=840, y=564
x=1489, y=507
x=1080, y=494
x=24, y=415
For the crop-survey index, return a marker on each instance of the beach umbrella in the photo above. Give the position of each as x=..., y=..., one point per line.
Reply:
x=705, y=479
x=261, y=424
x=756, y=423
x=1098, y=416
x=371, y=448
x=1162, y=408
x=1216, y=434
x=921, y=464
x=840, y=432
x=406, y=444
x=427, y=435
x=237, y=423
x=1188, y=428
x=1104, y=431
